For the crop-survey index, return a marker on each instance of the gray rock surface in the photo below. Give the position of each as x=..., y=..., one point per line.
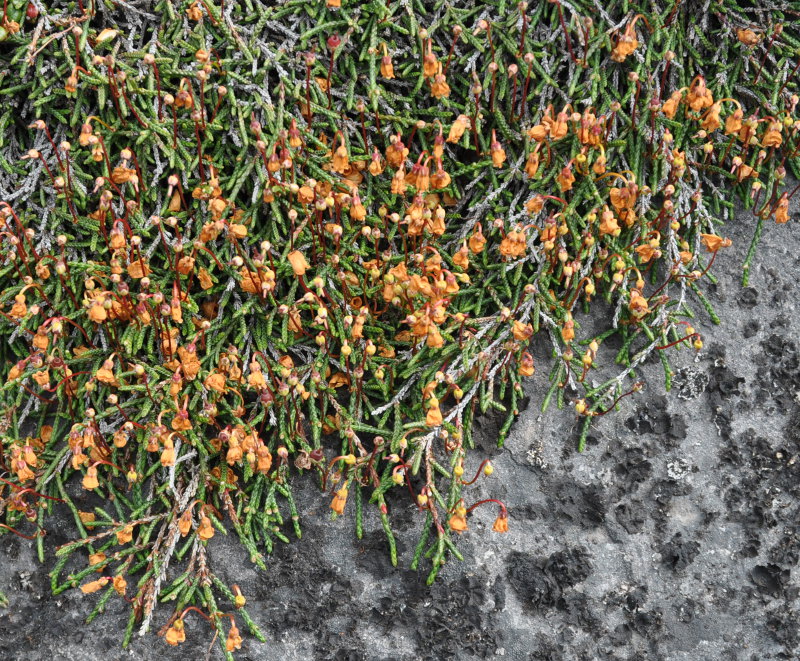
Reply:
x=674, y=536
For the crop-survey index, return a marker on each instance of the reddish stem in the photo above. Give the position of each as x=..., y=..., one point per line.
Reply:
x=525, y=91
x=477, y=474
x=683, y=339
x=450, y=53
x=503, y=510
x=38, y=533
x=523, y=34
x=23, y=490
x=636, y=388
x=764, y=59
x=566, y=34
x=174, y=127
x=789, y=77
x=196, y=610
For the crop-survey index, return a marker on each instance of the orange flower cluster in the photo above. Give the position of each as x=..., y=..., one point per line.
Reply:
x=25, y=455
x=243, y=446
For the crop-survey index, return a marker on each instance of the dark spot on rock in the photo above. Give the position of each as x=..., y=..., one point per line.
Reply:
x=751, y=545
x=541, y=583
x=782, y=624
x=750, y=328
x=631, y=516
x=787, y=550
x=620, y=636
x=581, y=505
x=653, y=418
x=10, y=547
x=647, y=623
x=678, y=553
x=748, y=298
x=634, y=466
x=770, y=579
x=688, y=610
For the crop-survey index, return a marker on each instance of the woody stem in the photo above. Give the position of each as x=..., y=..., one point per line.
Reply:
x=308, y=93
x=635, y=103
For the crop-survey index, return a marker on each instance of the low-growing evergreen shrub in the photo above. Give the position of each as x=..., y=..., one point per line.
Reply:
x=244, y=241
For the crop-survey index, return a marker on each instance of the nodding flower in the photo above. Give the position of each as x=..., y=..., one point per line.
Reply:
x=699, y=96
x=501, y=523
x=433, y=418
x=599, y=165
x=670, y=106
x=440, y=178
x=399, y=184
x=176, y=633
x=90, y=479
x=377, y=164
x=94, y=586
x=565, y=178
x=234, y=640
x=747, y=36
x=458, y=519
x=713, y=243
x=782, y=209
x=627, y=41
x=457, y=128
x=387, y=68
x=532, y=163
x=772, y=136
x=477, y=241
x=205, y=530
x=439, y=86
x=733, y=123
x=357, y=210
x=339, y=501
x=711, y=120
x=526, y=365
x=396, y=151
x=498, y=154
x=341, y=161
x=430, y=65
